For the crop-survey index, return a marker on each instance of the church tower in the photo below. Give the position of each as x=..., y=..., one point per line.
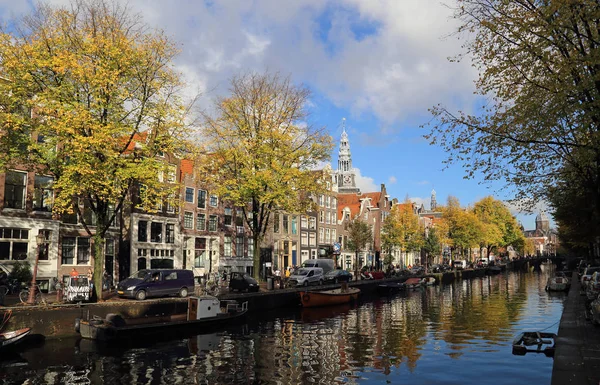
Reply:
x=345, y=173
x=541, y=222
x=433, y=201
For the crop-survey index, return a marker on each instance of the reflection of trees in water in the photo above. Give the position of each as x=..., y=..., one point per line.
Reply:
x=311, y=347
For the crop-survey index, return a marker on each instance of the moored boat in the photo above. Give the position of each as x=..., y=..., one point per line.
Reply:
x=12, y=337
x=329, y=297
x=428, y=281
x=413, y=283
x=559, y=282
x=536, y=342
x=204, y=311
x=390, y=287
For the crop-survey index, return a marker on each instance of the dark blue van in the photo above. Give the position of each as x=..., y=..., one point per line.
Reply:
x=157, y=283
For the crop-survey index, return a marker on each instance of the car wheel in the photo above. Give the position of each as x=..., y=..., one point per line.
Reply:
x=140, y=295
x=305, y=283
x=183, y=292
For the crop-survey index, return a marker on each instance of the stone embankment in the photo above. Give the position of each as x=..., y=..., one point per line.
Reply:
x=55, y=321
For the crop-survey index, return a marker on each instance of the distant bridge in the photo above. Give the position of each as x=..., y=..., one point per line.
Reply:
x=526, y=263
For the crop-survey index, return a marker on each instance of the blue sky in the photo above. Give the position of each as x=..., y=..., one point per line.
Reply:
x=379, y=64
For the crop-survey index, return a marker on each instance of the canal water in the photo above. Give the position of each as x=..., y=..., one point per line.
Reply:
x=449, y=334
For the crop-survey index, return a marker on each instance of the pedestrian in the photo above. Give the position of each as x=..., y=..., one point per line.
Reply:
x=74, y=273
x=105, y=285
x=90, y=276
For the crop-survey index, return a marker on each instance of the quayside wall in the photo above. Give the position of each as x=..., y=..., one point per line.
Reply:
x=57, y=321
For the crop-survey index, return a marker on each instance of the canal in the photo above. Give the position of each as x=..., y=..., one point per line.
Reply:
x=450, y=334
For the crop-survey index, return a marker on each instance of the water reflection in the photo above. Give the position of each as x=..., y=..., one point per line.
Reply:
x=452, y=334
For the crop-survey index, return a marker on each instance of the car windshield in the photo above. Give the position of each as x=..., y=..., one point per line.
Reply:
x=302, y=272
x=142, y=274
x=334, y=272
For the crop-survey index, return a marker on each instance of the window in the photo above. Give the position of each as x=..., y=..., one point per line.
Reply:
x=303, y=222
x=212, y=223
x=328, y=218
x=327, y=202
x=12, y=247
x=189, y=194
x=228, y=219
x=42, y=193
x=333, y=203
x=321, y=237
x=201, y=222
x=199, y=252
x=170, y=201
x=239, y=218
x=327, y=235
x=171, y=172
x=276, y=222
x=14, y=190
x=171, y=276
x=188, y=220
x=201, y=199
x=88, y=216
x=156, y=232
x=68, y=250
x=313, y=239
x=322, y=216
x=143, y=231
x=294, y=225
x=312, y=223
x=83, y=251
x=170, y=233
x=227, y=247
x=239, y=246
x=44, y=247
x=332, y=235
x=321, y=200
x=285, y=224
x=304, y=239
x=214, y=200
x=250, y=248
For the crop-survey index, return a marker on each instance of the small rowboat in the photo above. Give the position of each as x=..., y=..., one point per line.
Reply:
x=10, y=338
x=536, y=342
x=328, y=297
x=390, y=287
x=413, y=283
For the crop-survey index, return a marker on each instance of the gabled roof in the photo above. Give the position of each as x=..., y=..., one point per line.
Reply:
x=353, y=202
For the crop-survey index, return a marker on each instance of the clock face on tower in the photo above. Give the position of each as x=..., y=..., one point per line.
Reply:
x=347, y=179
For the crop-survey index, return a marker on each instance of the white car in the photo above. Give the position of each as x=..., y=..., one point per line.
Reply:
x=587, y=275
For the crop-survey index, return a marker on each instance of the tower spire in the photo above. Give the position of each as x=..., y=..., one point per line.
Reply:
x=345, y=173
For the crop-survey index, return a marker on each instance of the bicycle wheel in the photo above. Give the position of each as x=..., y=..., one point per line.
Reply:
x=3, y=290
x=39, y=298
x=24, y=295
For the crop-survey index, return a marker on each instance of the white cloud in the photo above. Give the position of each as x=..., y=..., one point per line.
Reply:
x=398, y=68
x=365, y=183
x=426, y=202
x=392, y=180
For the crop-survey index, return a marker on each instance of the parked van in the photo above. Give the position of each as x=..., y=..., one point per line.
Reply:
x=305, y=276
x=324, y=263
x=459, y=264
x=157, y=283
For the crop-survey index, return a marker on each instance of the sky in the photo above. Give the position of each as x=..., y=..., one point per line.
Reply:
x=380, y=64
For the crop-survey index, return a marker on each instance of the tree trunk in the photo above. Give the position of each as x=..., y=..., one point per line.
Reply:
x=256, y=257
x=98, y=268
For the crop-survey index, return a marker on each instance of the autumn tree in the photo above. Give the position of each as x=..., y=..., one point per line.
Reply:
x=465, y=231
x=402, y=229
x=105, y=101
x=263, y=150
x=360, y=235
x=499, y=226
x=432, y=245
x=538, y=81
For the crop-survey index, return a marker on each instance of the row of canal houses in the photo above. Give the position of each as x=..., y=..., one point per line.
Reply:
x=205, y=233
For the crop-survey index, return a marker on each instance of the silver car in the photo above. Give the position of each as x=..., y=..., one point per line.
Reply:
x=307, y=276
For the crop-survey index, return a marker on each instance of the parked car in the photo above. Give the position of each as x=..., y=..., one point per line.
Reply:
x=417, y=270
x=459, y=264
x=336, y=276
x=581, y=268
x=157, y=283
x=593, y=286
x=325, y=263
x=305, y=276
x=587, y=275
x=242, y=282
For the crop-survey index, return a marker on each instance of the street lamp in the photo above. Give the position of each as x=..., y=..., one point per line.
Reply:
x=39, y=240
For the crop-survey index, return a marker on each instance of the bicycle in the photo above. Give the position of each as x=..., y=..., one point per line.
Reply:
x=37, y=299
x=10, y=287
